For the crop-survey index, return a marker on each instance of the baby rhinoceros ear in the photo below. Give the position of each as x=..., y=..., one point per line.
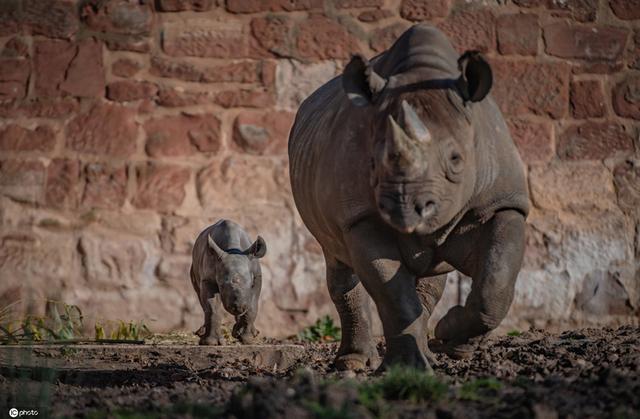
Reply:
x=258, y=249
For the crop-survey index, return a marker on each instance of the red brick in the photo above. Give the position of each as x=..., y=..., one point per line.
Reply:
x=626, y=97
x=273, y=34
x=39, y=108
x=254, y=6
x=127, y=91
x=597, y=67
x=52, y=18
x=518, y=34
x=126, y=67
x=533, y=139
x=160, y=186
x=419, y=10
x=122, y=17
x=249, y=98
x=626, y=9
x=354, y=4
x=104, y=129
x=262, y=132
x=593, y=141
x=626, y=178
x=633, y=55
x=16, y=138
x=65, y=68
x=587, y=99
x=105, y=185
x=15, y=47
x=471, y=29
x=178, y=97
x=22, y=180
x=84, y=75
x=184, y=5
x=128, y=43
x=522, y=87
x=10, y=21
x=14, y=76
x=322, y=38
x=182, y=135
x=590, y=42
x=197, y=39
x=375, y=15
x=580, y=10
x=63, y=178
x=239, y=72
x=383, y=38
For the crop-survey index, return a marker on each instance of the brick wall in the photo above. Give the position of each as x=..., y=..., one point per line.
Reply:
x=129, y=125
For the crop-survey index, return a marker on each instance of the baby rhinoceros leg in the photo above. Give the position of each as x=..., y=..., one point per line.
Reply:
x=211, y=332
x=494, y=264
x=357, y=349
x=244, y=329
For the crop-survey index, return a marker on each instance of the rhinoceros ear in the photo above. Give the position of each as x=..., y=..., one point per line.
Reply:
x=258, y=249
x=476, y=78
x=213, y=246
x=360, y=82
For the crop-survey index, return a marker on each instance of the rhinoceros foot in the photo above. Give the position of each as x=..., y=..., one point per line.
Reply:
x=357, y=361
x=211, y=340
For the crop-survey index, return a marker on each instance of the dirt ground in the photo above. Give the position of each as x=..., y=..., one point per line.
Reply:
x=576, y=374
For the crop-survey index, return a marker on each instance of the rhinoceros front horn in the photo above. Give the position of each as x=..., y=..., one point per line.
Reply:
x=400, y=151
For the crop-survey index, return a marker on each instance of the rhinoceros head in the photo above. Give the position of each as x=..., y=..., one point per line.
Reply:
x=235, y=276
x=422, y=142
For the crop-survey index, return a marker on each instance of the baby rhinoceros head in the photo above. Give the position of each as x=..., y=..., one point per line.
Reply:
x=237, y=275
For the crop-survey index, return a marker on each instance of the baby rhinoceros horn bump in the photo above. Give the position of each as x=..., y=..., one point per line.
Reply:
x=417, y=128
x=214, y=246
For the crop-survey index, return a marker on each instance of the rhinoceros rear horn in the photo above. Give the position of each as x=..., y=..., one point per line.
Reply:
x=476, y=78
x=360, y=82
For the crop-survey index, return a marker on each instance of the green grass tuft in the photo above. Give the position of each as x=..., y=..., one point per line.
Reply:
x=324, y=330
x=482, y=389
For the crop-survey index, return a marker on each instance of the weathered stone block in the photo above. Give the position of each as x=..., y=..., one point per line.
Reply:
x=594, y=42
x=626, y=97
x=13, y=137
x=572, y=186
x=63, y=178
x=182, y=135
x=594, y=141
x=263, y=132
x=105, y=185
x=103, y=129
x=518, y=34
x=160, y=186
x=526, y=87
x=419, y=10
x=201, y=38
x=533, y=139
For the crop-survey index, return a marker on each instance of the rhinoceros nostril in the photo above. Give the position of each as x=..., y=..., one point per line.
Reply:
x=427, y=210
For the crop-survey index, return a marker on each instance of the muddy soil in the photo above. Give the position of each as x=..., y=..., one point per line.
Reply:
x=575, y=374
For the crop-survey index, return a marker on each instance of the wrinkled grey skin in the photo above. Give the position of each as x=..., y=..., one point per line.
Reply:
x=404, y=170
x=225, y=272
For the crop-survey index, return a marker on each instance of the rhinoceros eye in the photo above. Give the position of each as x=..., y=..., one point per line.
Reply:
x=455, y=166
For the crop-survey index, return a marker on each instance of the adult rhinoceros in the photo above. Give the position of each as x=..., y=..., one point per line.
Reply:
x=404, y=170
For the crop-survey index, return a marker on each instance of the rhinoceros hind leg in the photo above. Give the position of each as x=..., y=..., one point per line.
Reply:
x=357, y=350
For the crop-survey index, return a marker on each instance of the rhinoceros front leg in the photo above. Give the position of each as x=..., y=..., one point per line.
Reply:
x=211, y=332
x=357, y=349
x=244, y=329
x=494, y=264
x=376, y=261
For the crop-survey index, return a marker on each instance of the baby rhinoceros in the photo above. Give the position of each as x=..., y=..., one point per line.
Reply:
x=225, y=272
